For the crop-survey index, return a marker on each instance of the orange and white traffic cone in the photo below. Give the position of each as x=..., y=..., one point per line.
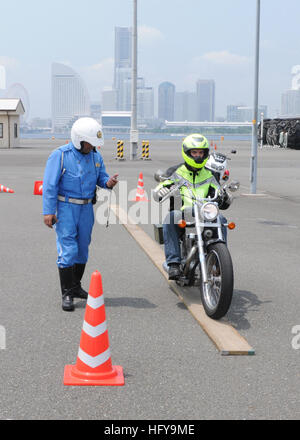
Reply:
x=6, y=190
x=38, y=188
x=140, y=193
x=94, y=366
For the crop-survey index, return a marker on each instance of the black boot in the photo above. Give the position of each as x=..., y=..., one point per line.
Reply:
x=174, y=271
x=67, y=286
x=78, y=291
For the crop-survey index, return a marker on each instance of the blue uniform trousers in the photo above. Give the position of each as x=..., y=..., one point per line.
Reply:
x=73, y=233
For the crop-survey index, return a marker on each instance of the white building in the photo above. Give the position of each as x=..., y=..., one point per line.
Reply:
x=125, y=93
x=290, y=103
x=10, y=112
x=145, y=104
x=70, y=98
x=109, y=99
x=116, y=122
x=239, y=113
x=123, y=76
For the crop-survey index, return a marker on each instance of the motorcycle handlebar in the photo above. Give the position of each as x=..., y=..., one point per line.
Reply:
x=194, y=199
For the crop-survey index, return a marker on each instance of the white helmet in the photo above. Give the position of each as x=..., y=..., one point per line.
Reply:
x=87, y=130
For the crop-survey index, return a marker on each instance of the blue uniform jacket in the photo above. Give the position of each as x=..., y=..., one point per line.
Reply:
x=76, y=176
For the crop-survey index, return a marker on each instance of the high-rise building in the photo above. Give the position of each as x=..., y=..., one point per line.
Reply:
x=125, y=93
x=123, y=47
x=70, y=99
x=186, y=106
x=166, y=101
x=239, y=113
x=123, y=63
x=290, y=103
x=206, y=100
x=145, y=103
x=123, y=75
x=145, y=99
x=124, y=89
x=109, y=100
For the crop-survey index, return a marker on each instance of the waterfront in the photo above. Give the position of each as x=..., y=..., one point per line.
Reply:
x=142, y=136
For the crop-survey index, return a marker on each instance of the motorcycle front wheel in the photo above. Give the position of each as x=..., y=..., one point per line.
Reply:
x=216, y=295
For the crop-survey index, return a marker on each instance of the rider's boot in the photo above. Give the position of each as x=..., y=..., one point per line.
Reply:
x=66, y=282
x=174, y=271
x=78, y=291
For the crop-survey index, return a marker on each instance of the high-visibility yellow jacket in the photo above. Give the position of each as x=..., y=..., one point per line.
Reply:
x=202, y=184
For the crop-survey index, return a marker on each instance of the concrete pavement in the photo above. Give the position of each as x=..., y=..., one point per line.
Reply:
x=172, y=370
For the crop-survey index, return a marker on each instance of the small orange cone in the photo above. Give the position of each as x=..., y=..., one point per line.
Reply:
x=140, y=193
x=94, y=366
x=38, y=188
x=6, y=190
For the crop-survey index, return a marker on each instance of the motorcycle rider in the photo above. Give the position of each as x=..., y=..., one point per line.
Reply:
x=195, y=152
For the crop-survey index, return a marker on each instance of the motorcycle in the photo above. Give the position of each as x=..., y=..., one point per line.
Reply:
x=205, y=258
x=217, y=164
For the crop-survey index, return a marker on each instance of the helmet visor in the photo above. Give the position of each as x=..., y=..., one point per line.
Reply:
x=198, y=155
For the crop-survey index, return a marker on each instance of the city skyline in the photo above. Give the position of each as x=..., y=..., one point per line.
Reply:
x=170, y=48
x=70, y=98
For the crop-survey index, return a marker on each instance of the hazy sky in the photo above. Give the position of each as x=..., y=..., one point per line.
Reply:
x=179, y=41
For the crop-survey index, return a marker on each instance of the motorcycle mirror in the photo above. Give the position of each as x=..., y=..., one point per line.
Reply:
x=159, y=177
x=234, y=186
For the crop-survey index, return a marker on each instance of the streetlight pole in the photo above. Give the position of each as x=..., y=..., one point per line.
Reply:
x=255, y=107
x=134, y=135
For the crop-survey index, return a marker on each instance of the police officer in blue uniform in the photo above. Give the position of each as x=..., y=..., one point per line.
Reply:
x=72, y=174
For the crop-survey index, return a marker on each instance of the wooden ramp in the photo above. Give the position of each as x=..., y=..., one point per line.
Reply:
x=224, y=336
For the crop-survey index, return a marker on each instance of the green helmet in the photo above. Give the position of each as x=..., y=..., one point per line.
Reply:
x=195, y=142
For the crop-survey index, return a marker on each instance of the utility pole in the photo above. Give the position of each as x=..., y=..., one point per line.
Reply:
x=255, y=107
x=134, y=134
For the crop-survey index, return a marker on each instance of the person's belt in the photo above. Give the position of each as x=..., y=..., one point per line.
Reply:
x=74, y=201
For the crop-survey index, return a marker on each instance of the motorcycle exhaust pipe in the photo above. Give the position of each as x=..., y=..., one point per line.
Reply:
x=189, y=259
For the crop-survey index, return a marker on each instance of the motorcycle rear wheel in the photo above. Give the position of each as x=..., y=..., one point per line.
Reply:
x=216, y=295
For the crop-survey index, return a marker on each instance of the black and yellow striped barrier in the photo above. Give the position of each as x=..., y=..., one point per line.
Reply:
x=120, y=151
x=145, y=150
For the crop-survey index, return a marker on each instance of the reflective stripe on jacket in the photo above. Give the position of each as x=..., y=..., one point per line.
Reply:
x=199, y=183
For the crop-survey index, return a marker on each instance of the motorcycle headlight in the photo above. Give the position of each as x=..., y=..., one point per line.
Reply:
x=209, y=211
